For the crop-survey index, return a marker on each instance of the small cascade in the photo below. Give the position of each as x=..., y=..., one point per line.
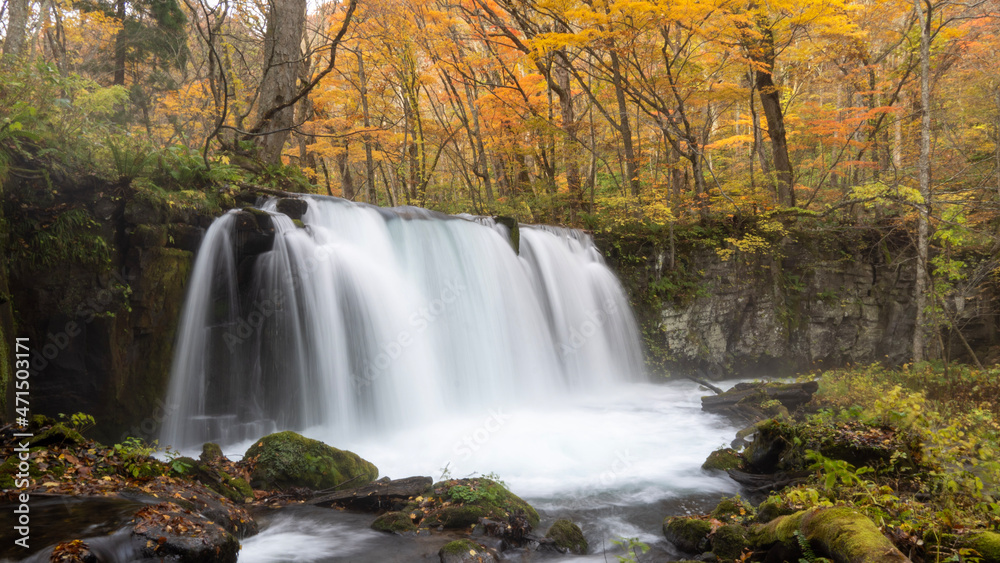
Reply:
x=360, y=319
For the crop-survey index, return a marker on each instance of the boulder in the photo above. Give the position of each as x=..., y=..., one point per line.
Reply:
x=394, y=522
x=172, y=533
x=722, y=460
x=465, y=551
x=687, y=534
x=472, y=499
x=729, y=541
x=568, y=537
x=293, y=207
x=287, y=459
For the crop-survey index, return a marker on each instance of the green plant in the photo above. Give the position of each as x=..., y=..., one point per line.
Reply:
x=81, y=422
x=130, y=157
x=134, y=455
x=633, y=549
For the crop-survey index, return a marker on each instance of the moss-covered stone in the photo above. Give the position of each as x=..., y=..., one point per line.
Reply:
x=722, y=460
x=57, y=434
x=568, y=536
x=287, y=459
x=211, y=452
x=729, y=508
x=465, y=551
x=149, y=236
x=772, y=508
x=478, y=498
x=687, y=534
x=986, y=544
x=394, y=522
x=840, y=533
x=729, y=541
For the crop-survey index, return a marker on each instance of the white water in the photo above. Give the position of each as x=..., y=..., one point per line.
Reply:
x=421, y=342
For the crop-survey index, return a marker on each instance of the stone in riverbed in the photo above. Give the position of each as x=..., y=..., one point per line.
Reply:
x=288, y=459
x=395, y=523
x=687, y=534
x=384, y=494
x=169, y=532
x=568, y=537
x=722, y=460
x=465, y=551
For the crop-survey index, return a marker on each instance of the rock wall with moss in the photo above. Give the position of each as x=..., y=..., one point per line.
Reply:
x=808, y=299
x=97, y=277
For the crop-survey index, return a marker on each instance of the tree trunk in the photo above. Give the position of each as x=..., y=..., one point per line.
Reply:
x=17, y=28
x=120, y=45
x=624, y=127
x=366, y=115
x=569, y=126
x=924, y=171
x=346, y=178
x=282, y=57
x=762, y=53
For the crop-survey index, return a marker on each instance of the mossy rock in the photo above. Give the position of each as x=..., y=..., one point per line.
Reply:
x=687, y=534
x=481, y=497
x=568, y=536
x=771, y=508
x=722, y=460
x=211, y=452
x=986, y=544
x=731, y=508
x=149, y=236
x=840, y=533
x=465, y=551
x=58, y=434
x=288, y=459
x=394, y=522
x=729, y=541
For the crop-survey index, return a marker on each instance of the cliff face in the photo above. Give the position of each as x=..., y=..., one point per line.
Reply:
x=809, y=302
x=97, y=278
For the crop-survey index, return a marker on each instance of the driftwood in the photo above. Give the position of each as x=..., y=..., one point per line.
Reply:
x=383, y=494
x=790, y=395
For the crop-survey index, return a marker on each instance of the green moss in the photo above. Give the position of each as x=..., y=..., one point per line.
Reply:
x=394, y=522
x=986, y=544
x=772, y=508
x=458, y=516
x=729, y=508
x=287, y=459
x=722, y=460
x=462, y=548
x=841, y=533
x=149, y=236
x=210, y=452
x=491, y=499
x=57, y=434
x=568, y=536
x=687, y=534
x=298, y=223
x=729, y=540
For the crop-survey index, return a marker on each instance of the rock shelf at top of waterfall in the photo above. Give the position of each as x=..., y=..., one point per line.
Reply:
x=368, y=318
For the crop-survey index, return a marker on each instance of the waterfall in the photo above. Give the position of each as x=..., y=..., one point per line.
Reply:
x=359, y=318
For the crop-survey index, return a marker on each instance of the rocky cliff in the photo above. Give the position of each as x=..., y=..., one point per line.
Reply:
x=808, y=301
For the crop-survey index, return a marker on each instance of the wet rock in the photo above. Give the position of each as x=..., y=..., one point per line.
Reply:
x=752, y=402
x=58, y=434
x=384, y=494
x=294, y=208
x=211, y=452
x=184, y=237
x=465, y=551
x=254, y=232
x=729, y=541
x=287, y=459
x=687, y=534
x=730, y=508
x=472, y=499
x=394, y=522
x=568, y=537
x=722, y=460
x=75, y=551
x=171, y=532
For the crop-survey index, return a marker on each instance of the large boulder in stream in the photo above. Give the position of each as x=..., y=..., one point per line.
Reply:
x=288, y=459
x=172, y=533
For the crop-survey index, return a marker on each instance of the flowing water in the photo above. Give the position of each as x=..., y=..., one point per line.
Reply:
x=425, y=344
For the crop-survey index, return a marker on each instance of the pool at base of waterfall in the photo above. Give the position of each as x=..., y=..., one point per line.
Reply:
x=615, y=461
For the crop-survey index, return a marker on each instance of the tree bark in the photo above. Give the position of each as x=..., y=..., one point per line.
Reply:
x=17, y=28
x=120, y=47
x=624, y=127
x=366, y=115
x=924, y=171
x=282, y=58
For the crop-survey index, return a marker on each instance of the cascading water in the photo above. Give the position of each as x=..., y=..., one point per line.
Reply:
x=367, y=319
